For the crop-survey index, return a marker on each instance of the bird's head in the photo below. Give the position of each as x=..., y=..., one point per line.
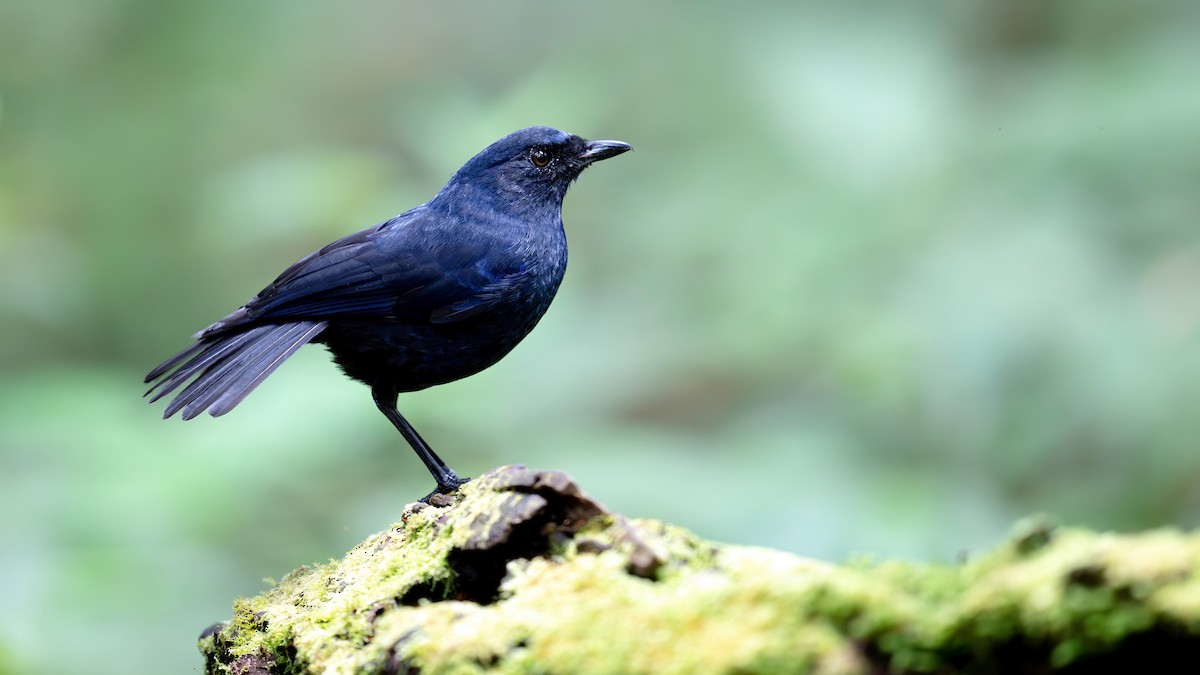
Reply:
x=531, y=167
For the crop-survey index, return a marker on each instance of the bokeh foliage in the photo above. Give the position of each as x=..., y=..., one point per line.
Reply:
x=879, y=279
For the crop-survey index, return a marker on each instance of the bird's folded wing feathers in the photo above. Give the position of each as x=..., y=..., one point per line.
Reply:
x=360, y=276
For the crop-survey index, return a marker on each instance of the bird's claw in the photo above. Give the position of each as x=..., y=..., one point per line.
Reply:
x=441, y=495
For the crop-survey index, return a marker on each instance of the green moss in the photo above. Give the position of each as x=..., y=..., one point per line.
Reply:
x=527, y=575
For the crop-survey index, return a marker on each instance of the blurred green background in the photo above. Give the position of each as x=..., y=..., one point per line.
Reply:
x=878, y=280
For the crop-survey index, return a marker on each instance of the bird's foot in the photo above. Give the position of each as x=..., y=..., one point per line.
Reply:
x=447, y=486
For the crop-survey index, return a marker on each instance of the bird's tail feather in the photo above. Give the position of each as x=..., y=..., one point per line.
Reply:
x=227, y=367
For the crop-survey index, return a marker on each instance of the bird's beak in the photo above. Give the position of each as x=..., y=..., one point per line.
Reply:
x=598, y=150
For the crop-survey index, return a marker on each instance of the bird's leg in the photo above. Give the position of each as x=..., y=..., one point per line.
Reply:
x=447, y=480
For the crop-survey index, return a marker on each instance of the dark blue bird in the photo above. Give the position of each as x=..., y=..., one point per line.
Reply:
x=430, y=296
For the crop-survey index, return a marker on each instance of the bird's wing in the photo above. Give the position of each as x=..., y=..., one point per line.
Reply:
x=406, y=269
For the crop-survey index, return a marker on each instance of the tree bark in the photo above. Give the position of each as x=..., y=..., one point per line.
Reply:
x=522, y=572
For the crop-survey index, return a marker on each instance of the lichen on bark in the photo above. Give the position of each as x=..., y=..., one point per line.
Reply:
x=524, y=573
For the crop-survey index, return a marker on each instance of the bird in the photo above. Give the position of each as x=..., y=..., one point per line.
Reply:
x=435, y=294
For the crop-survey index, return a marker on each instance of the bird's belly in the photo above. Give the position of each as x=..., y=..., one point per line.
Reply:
x=415, y=356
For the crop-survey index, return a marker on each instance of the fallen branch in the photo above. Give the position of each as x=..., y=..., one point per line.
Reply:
x=525, y=573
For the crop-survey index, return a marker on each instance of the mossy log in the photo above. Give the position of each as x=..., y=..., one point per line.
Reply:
x=522, y=572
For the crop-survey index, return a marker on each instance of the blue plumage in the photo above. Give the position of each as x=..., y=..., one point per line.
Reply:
x=435, y=294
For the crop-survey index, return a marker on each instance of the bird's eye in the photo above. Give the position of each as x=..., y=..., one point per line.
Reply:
x=539, y=157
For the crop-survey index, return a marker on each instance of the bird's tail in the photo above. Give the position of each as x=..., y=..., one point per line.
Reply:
x=228, y=366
